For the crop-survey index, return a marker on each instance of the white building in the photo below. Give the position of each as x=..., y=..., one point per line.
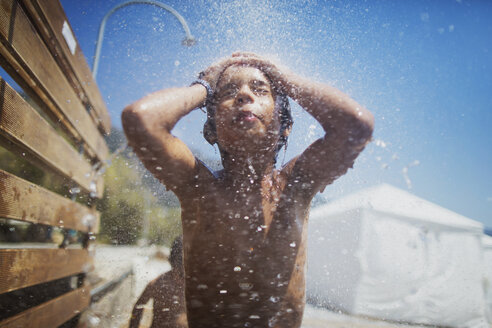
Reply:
x=487, y=260
x=385, y=253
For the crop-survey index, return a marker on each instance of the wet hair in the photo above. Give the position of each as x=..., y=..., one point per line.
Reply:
x=286, y=121
x=176, y=256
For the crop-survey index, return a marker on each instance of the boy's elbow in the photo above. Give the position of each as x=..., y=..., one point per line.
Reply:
x=362, y=131
x=131, y=120
x=368, y=123
x=127, y=117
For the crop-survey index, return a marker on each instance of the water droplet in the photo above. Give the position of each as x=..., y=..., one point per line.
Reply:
x=223, y=291
x=94, y=321
x=201, y=286
x=237, y=268
x=292, y=244
x=158, y=168
x=245, y=285
x=74, y=190
x=254, y=316
x=274, y=299
x=380, y=143
x=246, y=217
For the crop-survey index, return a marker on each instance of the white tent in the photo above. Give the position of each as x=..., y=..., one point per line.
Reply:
x=387, y=254
x=487, y=281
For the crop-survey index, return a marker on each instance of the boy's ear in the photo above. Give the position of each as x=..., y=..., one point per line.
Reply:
x=286, y=131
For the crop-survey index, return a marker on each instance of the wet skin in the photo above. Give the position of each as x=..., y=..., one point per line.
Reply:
x=245, y=227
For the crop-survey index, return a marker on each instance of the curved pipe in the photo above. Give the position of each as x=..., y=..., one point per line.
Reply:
x=188, y=41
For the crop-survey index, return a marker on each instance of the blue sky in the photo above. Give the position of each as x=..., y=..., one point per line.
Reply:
x=424, y=68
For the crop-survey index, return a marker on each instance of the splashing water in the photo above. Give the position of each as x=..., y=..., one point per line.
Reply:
x=380, y=143
x=99, y=168
x=405, y=173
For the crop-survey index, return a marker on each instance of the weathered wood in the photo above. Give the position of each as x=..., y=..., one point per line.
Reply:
x=52, y=313
x=50, y=19
x=22, y=125
x=22, y=200
x=26, y=58
x=27, y=267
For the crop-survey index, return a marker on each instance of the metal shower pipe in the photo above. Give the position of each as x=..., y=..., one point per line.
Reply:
x=188, y=41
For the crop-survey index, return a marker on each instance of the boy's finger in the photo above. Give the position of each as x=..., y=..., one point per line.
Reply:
x=241, y=53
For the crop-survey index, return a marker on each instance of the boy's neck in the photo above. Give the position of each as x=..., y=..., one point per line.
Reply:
x=247, y=168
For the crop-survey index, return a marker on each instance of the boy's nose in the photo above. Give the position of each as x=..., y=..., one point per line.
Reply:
x=244, y=95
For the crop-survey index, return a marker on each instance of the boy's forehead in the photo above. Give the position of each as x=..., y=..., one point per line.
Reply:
x=237, y=73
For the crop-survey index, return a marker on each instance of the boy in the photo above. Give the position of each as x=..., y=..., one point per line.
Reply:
x=245, y=227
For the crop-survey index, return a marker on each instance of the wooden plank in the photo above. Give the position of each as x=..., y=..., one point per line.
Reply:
x=22, y=125
x=50, y=19
x=24, y=201
x=27, y=267
x=24, y=54
x=52, y=313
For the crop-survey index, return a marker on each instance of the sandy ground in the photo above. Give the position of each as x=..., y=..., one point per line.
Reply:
x=115, y=308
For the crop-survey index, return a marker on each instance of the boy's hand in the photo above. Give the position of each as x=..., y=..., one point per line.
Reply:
x=278, y=74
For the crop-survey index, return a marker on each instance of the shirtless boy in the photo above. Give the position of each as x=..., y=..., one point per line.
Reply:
x=245, y=227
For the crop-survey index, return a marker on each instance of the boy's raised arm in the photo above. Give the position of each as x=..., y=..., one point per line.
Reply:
x=348, y=126
x=148, y=123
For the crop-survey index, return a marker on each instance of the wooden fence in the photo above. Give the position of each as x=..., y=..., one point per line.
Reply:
x=58, y=127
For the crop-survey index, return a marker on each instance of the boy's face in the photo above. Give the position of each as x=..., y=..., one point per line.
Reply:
x=246, y=116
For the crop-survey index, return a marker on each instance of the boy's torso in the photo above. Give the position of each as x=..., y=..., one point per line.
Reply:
x=244, y=253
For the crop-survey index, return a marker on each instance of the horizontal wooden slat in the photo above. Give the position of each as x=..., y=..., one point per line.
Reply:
x=22, y=200
x=22, y=125
x=25, y=55
x=52, y=313
x=50, y=18
x=27, y=267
